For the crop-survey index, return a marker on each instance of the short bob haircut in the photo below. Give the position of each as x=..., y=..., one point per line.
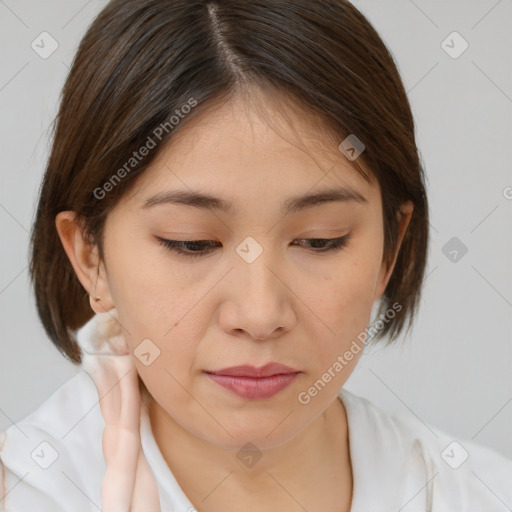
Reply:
x=141, y=62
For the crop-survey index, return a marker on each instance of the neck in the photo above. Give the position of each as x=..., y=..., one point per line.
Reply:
x=312, y=471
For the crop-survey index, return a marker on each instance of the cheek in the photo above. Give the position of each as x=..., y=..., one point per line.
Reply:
x=164, y=360
x=144, y=282
x=151, y=298
x=343, y=301
x=344, y=304
x=345, y=297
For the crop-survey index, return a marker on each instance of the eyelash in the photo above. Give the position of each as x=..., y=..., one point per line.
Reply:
x=176, y=245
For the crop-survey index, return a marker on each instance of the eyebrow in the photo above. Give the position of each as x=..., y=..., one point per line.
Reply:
x=291, y=205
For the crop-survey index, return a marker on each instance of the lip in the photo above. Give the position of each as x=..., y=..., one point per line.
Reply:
x=255, y=383
x=268, y=370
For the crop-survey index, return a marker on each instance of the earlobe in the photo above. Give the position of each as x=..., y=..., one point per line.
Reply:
x=85, y=261
x=403, y=216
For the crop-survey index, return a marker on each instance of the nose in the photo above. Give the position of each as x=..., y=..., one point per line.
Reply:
x=259, y=302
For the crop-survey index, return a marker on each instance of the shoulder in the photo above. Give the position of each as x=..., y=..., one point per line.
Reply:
x=457, y=474
x=52, y=459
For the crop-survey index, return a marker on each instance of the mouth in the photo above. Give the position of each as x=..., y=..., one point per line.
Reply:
x=254, y=383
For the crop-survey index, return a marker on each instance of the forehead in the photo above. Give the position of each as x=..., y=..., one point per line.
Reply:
x=238, y=148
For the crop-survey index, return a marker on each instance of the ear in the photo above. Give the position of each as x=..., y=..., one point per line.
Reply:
x=85, y=261
x=404, y=216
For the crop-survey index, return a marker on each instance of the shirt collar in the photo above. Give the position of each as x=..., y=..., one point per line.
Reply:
x=172, y=496
x=388, y=460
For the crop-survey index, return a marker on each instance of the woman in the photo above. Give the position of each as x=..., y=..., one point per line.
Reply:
x=232, y=187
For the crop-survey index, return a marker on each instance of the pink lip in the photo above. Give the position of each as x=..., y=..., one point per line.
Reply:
x=250, y=371
x=255, y=383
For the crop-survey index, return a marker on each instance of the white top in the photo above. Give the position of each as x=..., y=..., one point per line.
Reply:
x=52, y=461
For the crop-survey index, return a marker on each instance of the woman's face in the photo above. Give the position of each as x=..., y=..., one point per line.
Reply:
x=258, y=293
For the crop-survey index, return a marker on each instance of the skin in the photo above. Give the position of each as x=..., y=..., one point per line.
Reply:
x=291, y=305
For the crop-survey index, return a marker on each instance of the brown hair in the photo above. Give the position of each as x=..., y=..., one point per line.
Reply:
x=142, y=60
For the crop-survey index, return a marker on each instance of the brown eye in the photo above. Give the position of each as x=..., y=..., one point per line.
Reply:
x=196, y=247
x=319, y=244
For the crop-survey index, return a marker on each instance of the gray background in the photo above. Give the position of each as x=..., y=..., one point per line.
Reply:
x=454, y=371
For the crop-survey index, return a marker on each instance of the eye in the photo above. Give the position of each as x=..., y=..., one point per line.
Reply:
x=333, y=244
x=195, y=246
x=205, y=247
